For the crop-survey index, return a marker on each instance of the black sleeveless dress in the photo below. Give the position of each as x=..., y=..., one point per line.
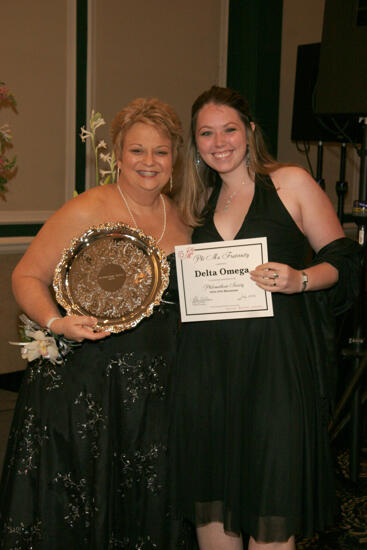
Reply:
x=249, y=438
x=86, y=466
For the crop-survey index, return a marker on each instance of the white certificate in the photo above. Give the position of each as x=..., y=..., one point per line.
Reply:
x=214, y=280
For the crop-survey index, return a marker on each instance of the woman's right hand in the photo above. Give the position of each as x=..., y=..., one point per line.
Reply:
x=78, y=328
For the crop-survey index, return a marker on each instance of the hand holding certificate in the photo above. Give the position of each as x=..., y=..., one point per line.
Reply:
x=214, y=280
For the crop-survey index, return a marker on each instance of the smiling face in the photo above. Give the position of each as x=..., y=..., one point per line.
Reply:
x=146, y=159
x=221, y=138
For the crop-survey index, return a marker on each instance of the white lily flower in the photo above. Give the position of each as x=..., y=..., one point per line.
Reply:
x=106, y=157
x=101, y=145
x=42, y=345
x=45, y=348
x=97, y=124
x=85, y=134
x=52, y=351
x=30, y=351
x=96, y=121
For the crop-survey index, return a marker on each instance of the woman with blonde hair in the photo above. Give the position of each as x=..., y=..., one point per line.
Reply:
x=86, y=465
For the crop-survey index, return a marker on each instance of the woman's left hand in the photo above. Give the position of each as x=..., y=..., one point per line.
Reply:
x=276, y=277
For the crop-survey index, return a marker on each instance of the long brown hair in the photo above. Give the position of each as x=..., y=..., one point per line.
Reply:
x=199, y=178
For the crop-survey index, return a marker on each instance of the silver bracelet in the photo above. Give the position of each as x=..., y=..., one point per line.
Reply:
x=50, y=321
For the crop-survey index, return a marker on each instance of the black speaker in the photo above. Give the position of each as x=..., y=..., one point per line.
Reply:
x=306, y=125
x=342, y=81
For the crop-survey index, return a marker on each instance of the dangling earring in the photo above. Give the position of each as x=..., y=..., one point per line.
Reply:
x=170, y=183
x=247, y=156
x=198, y=159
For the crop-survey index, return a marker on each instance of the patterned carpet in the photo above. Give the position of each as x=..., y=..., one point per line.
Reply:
x=350, y=529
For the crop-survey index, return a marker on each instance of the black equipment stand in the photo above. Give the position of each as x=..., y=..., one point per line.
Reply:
x=320, y=155
x=357, y=350
x=341, y=185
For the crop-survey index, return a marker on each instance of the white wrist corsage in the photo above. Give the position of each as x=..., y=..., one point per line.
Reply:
x=39, y=343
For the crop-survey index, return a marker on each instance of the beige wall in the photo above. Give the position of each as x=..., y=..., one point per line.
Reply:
x=33, y=42
x=168, y=49
x=10, y=359
x=33, y=65
x=171, y=50
x=302, y=24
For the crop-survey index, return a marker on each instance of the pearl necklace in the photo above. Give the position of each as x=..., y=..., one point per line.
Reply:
x=133, y=219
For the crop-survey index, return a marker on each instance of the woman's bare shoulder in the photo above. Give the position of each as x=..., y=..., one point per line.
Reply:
x=292, y=175
x=84, y=208
x=91, y=199
x=74, y=217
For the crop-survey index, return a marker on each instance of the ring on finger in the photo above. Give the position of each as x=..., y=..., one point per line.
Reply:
x=274, y=283
x=276, y=275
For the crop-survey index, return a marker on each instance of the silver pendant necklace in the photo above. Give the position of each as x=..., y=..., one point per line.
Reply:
x=230, y=198
x=133, y=219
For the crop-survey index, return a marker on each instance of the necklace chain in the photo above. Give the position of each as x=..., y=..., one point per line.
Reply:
x=134, y=220
x=230, y=198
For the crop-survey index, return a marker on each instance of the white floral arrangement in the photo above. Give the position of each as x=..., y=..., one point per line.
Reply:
x=42, y=344
x=103, y=177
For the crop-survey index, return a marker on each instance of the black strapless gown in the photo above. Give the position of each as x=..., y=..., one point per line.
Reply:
x=249, y=438
x=86, y=466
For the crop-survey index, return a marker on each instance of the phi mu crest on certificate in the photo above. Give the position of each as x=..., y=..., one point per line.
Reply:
x=214, y=280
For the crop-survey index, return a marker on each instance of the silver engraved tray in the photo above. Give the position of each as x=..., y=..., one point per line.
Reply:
x=114, y=273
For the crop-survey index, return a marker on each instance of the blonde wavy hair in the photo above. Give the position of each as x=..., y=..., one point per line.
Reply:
x=150, y=111
x=199, y=178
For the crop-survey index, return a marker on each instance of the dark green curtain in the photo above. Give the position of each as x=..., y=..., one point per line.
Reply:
x=253, y=66
x=81, y=91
